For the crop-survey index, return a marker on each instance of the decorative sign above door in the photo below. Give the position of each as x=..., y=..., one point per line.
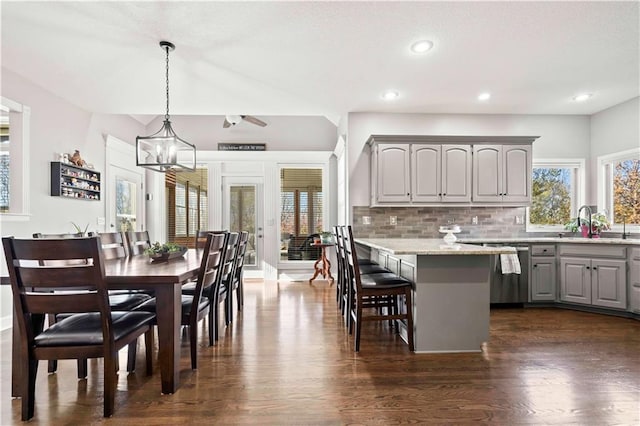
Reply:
x=242, y=147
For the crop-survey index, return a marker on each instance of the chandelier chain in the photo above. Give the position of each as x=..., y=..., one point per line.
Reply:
x=166, y=116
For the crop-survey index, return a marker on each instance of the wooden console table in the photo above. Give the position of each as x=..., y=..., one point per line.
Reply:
x=322, y=265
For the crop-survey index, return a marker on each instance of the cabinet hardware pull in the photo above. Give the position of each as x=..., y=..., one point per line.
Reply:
x=594, y=268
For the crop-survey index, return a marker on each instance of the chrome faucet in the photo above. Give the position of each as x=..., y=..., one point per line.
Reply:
x=588, y=218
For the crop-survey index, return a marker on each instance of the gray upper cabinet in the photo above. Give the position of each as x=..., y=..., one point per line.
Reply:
x=440, y=173
x=452, y=170
x=502, y=173
x=393, y=179
x=426, y=172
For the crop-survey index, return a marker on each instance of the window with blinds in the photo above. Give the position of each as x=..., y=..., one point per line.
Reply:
x=301, y=211
x=187, y=205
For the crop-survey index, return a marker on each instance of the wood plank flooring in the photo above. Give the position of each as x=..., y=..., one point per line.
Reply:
x=288, y=360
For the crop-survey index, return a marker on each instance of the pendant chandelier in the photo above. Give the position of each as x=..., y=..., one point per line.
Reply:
x=164, y=150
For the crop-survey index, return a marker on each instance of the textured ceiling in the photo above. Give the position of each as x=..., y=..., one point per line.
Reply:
x=327, y=58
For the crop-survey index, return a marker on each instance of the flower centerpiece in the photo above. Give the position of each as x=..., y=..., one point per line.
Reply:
x=599, y=223
x=166, y=251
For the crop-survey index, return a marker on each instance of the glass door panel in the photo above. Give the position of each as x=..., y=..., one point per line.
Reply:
x=243, y=212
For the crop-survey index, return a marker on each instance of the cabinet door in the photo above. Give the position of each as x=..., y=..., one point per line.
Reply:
x=634, y=284
x=393, y=173
x=487, y=173
x=426, y=173
x=608, y=283
x=516, y=179
x=543, y=279
x=456, y=173
x=575, y=280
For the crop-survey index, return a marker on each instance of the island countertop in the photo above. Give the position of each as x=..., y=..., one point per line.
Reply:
x=429, y=246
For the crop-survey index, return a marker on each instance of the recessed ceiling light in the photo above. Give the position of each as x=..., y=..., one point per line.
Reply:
x=390, y=95
x=484, y=96
x=421, y=46
x=582, y=97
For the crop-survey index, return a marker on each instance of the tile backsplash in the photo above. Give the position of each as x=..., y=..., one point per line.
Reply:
x=424, y=222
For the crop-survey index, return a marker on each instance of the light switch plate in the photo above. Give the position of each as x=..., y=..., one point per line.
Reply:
x=366, y=220
x=393, y=220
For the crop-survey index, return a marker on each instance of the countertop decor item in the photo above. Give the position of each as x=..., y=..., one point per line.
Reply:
x=164, y=252
x=449, y=230
x=599, y=223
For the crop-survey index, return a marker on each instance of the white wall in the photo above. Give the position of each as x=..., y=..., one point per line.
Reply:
x=613, y=130
x=283, y=133
x=562, y=136
x=57, y=126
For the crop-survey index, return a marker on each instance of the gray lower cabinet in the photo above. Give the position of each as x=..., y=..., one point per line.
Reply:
x=543, y=273
x=634, y=281
x=543, y=279
x=575, y=280
x=594, y=281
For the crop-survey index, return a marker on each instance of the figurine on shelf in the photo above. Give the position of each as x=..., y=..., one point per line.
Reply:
x=77, y=160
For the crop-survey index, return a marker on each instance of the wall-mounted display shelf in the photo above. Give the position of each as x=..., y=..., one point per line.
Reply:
x=71, y=181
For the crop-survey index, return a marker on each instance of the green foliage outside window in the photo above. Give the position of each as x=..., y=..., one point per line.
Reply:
x=551, y=196
x=626, y=192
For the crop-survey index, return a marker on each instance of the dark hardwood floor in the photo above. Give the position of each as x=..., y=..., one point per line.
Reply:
x=288, y=360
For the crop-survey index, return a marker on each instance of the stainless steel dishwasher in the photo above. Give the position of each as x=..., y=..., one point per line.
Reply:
x=510, y=288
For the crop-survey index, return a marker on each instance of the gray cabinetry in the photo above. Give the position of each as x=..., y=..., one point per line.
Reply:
x=575, y=280
x=543, y=273
x=502, y=173
x=441, y=170
x=634, y=280
x=392, y=173
x=593, y=275
x=440, y=173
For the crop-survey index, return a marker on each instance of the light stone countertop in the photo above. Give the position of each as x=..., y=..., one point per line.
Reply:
x=429, y=246
x=549, y=240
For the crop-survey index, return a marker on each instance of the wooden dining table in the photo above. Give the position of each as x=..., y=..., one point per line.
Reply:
x=165, y=279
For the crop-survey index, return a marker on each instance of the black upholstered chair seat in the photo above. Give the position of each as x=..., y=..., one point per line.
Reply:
x=187, y=302
x=189, y=288
x=127, y=301
x=387, y=278
x=86, y=329
x=372, y=269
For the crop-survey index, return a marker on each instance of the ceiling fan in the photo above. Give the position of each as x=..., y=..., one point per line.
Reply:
x=232, y=120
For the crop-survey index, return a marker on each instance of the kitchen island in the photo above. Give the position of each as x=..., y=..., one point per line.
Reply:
x=450, y=292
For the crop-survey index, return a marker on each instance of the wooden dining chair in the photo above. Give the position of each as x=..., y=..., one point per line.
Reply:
x=235, y=280
x=340, y=266
x=137, y=242
x=220, y=292
x=197, y=306
x=114, y=246
x=378, y=294
x=51, y=319
x=201, y=237
x=91, y=331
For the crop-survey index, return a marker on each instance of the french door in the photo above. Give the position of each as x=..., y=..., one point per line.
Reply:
x=243, y=206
